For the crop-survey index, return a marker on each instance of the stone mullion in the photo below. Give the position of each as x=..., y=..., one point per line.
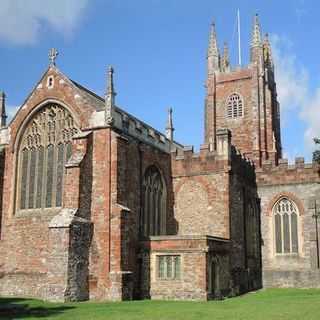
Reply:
x=153, y=211
x=19, y=184
x=28, y=180
x=150, y=211
x=65, y=151
x=290, y=232
x=165, y=267
x=54, y=175
x=55, y=162
x=173, y=267
x=282, y=233
x=44, y=177
x=35, y=187
x=45, y=164
x=156, y=212
x=145, y=212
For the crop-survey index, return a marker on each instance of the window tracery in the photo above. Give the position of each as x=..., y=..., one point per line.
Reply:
x=43, y=151
x=234, y=106
x=286, y=214
x=153, y=219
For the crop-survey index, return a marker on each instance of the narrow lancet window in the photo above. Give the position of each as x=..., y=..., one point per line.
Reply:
x=153, y=216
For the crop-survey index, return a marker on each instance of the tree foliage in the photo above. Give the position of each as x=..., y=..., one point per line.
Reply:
x=316, y=153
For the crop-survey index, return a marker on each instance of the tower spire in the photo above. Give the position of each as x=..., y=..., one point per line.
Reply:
x=256, y=43
x=267, y=52
x=256, y=33
x=225, y=63
x=213, y=56
x=169, y=127
x=3, y=115
x=110, y=98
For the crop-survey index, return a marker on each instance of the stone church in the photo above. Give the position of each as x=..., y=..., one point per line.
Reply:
x=96, y=204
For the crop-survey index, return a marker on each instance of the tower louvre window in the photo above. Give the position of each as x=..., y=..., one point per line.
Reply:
x=44, y=148
x=234, y=106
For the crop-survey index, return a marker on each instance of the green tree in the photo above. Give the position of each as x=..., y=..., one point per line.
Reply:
x=316, y=153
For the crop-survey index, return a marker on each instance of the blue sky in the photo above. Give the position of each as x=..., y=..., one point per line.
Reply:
x=158, y=50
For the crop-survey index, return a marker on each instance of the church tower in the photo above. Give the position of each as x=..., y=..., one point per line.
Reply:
x=244, y=99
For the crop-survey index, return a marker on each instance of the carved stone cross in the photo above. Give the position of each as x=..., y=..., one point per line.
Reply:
x=53, y=53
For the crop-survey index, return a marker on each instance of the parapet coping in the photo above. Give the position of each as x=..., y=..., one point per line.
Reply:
x=283, y=164
x=187, y=237
x=206, y=151
x=137, y=128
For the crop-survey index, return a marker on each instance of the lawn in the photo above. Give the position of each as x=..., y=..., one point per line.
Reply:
x=278, y=304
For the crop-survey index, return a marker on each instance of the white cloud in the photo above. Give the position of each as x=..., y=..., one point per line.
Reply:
x=294, y=90
x=21, y=21
x=310, y=113
x=291, y=77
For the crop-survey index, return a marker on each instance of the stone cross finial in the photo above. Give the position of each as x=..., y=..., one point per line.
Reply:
x=53, y=53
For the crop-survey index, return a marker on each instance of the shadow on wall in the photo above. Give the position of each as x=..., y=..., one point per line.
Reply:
x=18, y=308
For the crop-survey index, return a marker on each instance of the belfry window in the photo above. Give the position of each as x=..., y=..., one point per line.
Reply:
x=285, y=214
x=153, y=215
x=43, y=151
x=234, y=106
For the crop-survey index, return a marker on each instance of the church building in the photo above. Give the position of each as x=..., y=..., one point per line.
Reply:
x=98, y=205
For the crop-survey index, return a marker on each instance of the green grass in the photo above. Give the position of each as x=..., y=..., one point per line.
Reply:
x=278, y=304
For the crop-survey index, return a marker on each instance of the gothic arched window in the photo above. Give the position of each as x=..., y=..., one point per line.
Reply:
x=234, y=106
x=154, y=214
x=285, y=214
x=44, y=149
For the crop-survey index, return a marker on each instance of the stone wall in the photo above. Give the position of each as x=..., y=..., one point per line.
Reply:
x=195, y=253
x=299, y=183
x=133, y=158
x=245, y=227
x=201, y=195
x=256, y=134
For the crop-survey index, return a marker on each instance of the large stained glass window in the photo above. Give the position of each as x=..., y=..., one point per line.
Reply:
x=44, y=149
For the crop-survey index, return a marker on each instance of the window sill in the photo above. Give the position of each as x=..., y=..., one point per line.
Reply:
x=279, y=255
x=28, y=213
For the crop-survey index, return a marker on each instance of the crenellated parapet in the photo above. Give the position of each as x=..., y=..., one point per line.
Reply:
x=284, y=173
x=208, y=160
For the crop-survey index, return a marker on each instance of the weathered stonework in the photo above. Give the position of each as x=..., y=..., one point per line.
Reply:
x=300, y=183
x=208, y=213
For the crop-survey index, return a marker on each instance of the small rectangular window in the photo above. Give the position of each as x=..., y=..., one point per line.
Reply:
x=169, y=267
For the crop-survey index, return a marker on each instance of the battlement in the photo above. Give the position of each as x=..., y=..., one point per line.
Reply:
x=224, y=158
x=187, y=153
x=285, y=173
x=283, y=165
